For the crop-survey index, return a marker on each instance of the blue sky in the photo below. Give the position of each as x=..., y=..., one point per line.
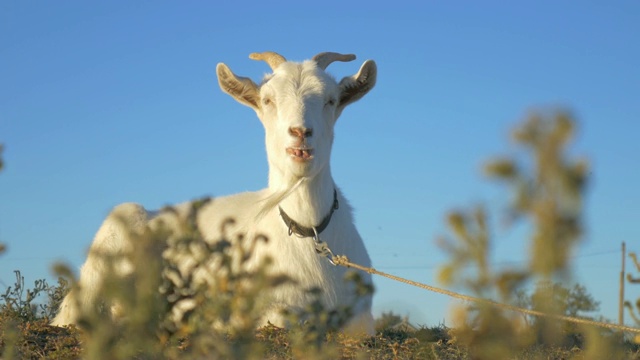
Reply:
x=113, y=102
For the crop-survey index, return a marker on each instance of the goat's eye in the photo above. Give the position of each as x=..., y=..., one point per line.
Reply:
x=267, y=101
x=330, y=102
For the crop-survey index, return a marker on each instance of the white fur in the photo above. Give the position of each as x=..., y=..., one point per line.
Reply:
x=296, y=95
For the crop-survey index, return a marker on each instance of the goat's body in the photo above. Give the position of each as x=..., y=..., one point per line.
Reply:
x=294, y=257
x=298, y=106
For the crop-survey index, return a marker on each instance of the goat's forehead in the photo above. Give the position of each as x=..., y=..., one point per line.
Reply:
x=300, y=76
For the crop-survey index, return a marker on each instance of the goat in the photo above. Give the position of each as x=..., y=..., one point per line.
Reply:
x=298, y=105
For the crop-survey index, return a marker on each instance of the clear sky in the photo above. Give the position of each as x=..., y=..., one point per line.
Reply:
x=118, y=101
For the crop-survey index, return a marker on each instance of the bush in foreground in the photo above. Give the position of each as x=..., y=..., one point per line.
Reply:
x=547, y=189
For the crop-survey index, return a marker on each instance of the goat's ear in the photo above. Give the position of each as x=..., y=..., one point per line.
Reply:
x=240, y=88
x=352, y=88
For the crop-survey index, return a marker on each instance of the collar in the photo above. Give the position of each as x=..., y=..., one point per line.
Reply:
x=302, y=231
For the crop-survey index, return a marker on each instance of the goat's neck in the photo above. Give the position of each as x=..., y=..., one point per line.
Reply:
x=310, y=201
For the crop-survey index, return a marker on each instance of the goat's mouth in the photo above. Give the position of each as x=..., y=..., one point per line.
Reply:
x=300, y=154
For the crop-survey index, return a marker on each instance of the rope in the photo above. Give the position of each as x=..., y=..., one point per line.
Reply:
x=342, y=260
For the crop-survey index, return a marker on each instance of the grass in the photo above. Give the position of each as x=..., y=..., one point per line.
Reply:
x=35, y=339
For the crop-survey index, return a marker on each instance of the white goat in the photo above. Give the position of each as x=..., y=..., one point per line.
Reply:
x=298, y=106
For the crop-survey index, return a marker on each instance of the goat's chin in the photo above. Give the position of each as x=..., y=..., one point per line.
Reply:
x=300, y=169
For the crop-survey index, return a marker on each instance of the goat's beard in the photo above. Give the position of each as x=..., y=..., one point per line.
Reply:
x=272, y=200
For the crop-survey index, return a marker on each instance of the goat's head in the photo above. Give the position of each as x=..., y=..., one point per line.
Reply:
x=298, y=105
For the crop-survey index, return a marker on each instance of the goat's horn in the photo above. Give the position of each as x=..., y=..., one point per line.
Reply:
x=324, y=59
x=270, y=57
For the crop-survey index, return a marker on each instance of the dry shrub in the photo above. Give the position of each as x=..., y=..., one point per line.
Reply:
x=547, y=188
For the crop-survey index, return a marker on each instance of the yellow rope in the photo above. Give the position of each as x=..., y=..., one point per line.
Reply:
x=342, y=260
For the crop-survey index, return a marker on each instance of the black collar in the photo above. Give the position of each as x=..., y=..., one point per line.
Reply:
x=302, y=231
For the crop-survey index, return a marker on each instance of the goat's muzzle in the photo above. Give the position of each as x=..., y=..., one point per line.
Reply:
x=300, y=132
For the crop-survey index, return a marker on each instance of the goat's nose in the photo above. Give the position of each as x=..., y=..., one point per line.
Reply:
x=300, y=132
